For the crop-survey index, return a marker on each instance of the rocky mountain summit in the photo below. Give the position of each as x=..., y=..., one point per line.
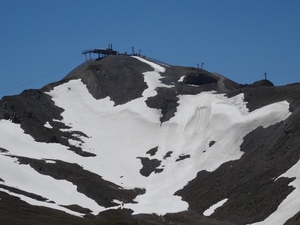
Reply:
x=125, y=140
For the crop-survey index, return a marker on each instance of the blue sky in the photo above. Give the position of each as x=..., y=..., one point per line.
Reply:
x=42, y=40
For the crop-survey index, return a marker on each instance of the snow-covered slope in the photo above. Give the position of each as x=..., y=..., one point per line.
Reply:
x=130, y=147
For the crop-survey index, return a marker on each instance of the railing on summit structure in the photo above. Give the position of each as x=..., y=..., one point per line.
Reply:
x=148, y=58
x=156, y=61
x=77, y=67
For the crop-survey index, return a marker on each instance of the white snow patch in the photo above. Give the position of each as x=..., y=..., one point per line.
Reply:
x=41, y=203
x=212, y=209
x=47, y=125
x=156, y=67
x=50, y=161
x=152, y=78
x=181, y=79
x=121, y=204
x=60, y=191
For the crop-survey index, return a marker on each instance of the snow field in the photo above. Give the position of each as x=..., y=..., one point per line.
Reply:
x=212, y=209
x=25, y=178
x=120, y=134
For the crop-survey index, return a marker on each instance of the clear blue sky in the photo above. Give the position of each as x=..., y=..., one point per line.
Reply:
x=42, y=40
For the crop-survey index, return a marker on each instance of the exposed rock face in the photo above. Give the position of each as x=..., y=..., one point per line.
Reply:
x=119, y=78
x=251, y=183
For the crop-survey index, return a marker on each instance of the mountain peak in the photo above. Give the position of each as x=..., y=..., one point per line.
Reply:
x=124, y=138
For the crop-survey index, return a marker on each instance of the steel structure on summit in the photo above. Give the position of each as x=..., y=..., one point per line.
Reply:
x=101, y=52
